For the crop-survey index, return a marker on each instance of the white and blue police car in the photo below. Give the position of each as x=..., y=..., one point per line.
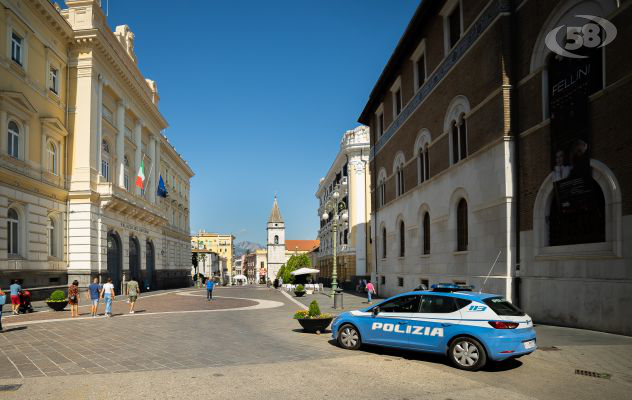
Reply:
x=449, y=319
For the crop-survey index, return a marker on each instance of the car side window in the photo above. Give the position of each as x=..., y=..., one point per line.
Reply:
x=437, y=304
x=403, y=304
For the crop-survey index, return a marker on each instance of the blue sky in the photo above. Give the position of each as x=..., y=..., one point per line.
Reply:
x=258, y=93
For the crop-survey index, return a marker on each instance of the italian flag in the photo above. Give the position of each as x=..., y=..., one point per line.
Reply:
x=140, y=178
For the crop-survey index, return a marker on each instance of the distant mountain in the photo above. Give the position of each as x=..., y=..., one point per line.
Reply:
x=242, y=248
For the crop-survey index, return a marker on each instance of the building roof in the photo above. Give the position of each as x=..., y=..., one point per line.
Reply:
x=408, y=40
x=275, y=215
x=301, y=245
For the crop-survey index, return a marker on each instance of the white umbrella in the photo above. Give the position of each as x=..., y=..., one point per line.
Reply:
x=240, y=277
x=304, y=271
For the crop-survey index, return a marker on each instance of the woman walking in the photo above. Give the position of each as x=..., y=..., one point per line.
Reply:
x=3, y=299
x=370, y=289
x=73, y=299
x=107, y=294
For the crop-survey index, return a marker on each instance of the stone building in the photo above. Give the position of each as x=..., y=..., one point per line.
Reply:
x=486, y=144
x=77, y=120
x=349, y=177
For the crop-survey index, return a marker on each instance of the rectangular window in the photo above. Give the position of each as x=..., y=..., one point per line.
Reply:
x=126, y=181
x=16, y=48
x=398, y=101
x=454, y=25
x=105, y=169
x=12, y=231
x=380, y=124
x=54, y=80
x=400, y=281
x=420, y=69
x=383, y=280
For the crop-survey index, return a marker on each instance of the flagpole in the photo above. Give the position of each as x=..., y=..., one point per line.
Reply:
x=149, y=176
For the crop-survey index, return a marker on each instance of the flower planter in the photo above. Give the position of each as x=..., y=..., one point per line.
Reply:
x=315, y=325
x=57, y=305
x=299, y=294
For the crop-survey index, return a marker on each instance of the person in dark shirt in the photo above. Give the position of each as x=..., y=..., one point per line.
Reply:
x=93, y=295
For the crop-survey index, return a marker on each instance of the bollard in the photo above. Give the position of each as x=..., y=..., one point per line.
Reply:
x=338, y=299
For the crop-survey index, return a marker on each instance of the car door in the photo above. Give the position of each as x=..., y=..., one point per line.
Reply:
x=387, y=322
x=434, y=323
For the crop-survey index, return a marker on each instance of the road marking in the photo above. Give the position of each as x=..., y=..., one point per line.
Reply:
x=261, y=304
x=303, y=306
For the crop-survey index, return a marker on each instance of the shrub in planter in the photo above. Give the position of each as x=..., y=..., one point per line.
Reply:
x=299, y=291
x=312, y=320
x=57, y=300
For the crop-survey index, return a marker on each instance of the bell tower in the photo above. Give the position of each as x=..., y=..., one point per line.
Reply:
x=276, y=241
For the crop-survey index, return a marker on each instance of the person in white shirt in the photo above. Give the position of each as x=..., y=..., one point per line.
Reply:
x=107, y=293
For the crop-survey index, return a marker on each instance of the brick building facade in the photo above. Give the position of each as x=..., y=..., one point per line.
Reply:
x=480, y=144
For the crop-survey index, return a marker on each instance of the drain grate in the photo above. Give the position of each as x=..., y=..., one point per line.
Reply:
x=9, y=388
x=550, y=348
x=592, y=374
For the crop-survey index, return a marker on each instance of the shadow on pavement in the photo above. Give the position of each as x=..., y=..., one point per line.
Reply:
x=301, y=330
x=491, y=366
x=17, y=328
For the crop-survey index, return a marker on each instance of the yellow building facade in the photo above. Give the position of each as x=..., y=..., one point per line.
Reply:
x=77, y=118
x=222, y=244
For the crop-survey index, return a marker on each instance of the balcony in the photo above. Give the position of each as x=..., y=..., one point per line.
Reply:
x=131, y=206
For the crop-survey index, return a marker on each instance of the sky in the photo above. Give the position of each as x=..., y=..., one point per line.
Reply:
x=258, y=95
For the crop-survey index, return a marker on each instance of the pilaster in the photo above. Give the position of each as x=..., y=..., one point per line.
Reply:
x=120, y=143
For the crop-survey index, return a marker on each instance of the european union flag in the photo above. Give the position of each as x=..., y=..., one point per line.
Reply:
x=162, y=189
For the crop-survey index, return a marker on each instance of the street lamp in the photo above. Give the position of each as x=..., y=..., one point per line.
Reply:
x=335, y=206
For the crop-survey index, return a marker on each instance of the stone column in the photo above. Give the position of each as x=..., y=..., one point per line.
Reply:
x=120, y=144
x=99, y=123
x=3, y=131
x=151, y=184
x=138, y=154
x=357, y=211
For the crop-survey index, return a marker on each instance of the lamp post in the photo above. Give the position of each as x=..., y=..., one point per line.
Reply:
x=335, y=206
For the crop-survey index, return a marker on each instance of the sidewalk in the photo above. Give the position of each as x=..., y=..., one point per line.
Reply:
x=350, y=300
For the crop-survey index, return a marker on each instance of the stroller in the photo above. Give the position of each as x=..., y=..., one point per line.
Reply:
x=25, y=302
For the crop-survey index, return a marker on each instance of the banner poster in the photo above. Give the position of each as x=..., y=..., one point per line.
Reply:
x=577, y=210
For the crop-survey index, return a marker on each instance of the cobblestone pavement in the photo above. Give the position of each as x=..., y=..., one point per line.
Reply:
x=245, y=345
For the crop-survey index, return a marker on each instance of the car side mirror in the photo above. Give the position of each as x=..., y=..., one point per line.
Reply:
x=376, y=311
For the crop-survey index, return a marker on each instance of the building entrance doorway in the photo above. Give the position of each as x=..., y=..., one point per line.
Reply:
x=150, y=262
x=134, y=258
x=115, y=260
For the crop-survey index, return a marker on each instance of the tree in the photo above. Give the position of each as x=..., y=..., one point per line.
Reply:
x=295, y=262
x=194, y=260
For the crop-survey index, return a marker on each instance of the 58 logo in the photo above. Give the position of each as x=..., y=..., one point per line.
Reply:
x=595, y=34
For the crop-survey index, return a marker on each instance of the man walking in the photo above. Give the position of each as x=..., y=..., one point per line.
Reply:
x=15, y=296
x=210, y=285
x=133, y=290
x=370, y=289
x=93, y=295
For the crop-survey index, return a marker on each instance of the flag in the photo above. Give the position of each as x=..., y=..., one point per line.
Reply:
x=162, y=189
x=140, y=178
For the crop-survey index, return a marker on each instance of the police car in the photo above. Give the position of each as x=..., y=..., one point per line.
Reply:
x=469, y=327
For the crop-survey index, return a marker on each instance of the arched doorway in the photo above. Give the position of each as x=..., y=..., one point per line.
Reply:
x=134, y=258
x=115, y=260
x=150, y=278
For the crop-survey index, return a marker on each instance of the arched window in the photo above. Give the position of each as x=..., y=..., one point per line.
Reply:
x=381, y=188
x=398, y=169
x=426, y=233
x=455, y=124
x=105, y=160
x=13, y=221
x=423, y=163
x=578, y=221
x=51, y=151
x=126, y=174
x=276, y=239
x=461, y=225
x=402, y=239
x=13, y=139
x=383, y=242
x=51, y=238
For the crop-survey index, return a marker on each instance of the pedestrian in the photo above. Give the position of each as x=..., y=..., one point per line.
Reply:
x=133, y=289
x=3, y=299
x=93, y=295
x=210, y=284
x=15, y=289
x=107, y=294
x=73, y=298
x=370, y=289
x=276, y=283
x=281, y=283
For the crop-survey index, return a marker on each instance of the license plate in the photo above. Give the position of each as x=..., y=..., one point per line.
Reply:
x=529, y=344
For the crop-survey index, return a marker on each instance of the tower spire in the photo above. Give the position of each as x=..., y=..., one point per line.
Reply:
x=275, y=215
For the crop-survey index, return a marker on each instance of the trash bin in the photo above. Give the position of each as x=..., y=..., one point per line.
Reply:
x=338, y=299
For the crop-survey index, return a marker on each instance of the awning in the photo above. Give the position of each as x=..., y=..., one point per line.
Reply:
x=305, y=271
x=240, y=277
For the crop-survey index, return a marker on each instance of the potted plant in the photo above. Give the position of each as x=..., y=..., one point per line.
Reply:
x=299, y=291
x=312, y=320
x=57, y=300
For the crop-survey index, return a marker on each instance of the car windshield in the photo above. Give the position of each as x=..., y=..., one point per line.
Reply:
x=503, y=307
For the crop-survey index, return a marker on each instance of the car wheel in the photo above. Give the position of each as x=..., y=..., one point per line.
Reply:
x=467, y=353
x=349, y=337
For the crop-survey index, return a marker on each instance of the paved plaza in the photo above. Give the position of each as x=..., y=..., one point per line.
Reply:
x=244, y=344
